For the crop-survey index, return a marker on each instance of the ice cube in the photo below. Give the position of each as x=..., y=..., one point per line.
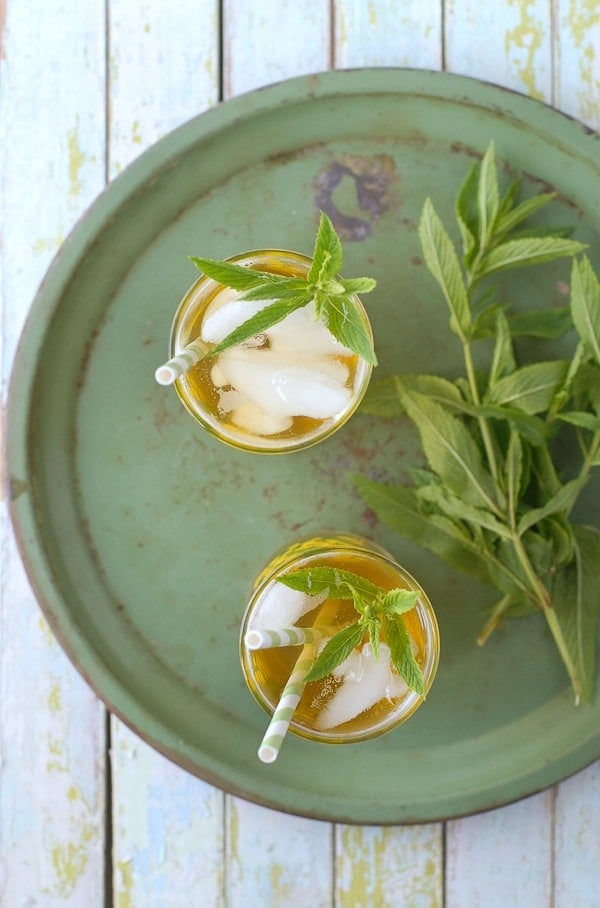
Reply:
x=231, y=400
x=301, y=332
x=281, y=389
x=253, y=419
x=217, y=377
x=282, y=607
x=227, y=312
x=360, y=689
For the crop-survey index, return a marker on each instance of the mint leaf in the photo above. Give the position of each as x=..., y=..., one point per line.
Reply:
x=487, y=195
x=442, y=261
x=467, y=214
x=513, y=217
x=581, y=419
x=397, y=602
x=398, y=640
x=332, y=580
x=359, y=285
x=544, y=323
x=563, y=500
x=585, y=305
x=327, y=255
x=286, y=288
x=343, y=321
x=264, y=319
x=336, y=651
x=575, y=604
x=528, y=251
x=231, y=275
x=530, y=388
x=451, y=451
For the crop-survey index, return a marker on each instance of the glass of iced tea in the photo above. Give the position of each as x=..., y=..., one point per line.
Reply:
x=363, y=696
x=285, y=389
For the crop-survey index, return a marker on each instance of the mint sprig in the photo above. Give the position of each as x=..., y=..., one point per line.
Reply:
x=379, y=612
x=333, y=297
x=493, y=502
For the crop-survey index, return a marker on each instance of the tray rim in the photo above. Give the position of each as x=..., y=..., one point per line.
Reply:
x=80, y=239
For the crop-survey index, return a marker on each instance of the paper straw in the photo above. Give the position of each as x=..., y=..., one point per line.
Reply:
x=261, y=638
x=279, y=724
x=174, y=368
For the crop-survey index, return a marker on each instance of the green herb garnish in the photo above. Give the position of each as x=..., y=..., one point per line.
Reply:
x=493, y=502
x=379, y=611
x=331, y=294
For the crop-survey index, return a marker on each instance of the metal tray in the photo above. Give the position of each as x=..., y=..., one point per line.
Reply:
x=142, y=534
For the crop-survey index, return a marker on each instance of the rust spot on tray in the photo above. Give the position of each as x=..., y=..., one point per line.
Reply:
x=372, y=176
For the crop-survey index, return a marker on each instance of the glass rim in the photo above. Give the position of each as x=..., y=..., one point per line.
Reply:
x=428, y=619
x=239, y=439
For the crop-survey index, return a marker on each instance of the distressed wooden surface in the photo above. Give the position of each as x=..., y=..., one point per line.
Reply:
x=84, y=88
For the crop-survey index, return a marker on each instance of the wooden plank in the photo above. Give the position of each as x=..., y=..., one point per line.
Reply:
x=506, y=43
x=577, y=60
x=389, y=866
x=577, y=806
x=168, y=830
x=269, y=41
x=163, y=70
x=577, y=841
x=501, y=858
x=52, y=725
x=268, y=853
x=275, y=859
x=387, y=33
x=167, y=825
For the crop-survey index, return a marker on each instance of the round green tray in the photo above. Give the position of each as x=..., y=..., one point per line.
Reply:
x=142, y=534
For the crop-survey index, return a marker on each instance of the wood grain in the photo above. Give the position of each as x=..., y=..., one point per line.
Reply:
x=168, y=836
x=51, y=725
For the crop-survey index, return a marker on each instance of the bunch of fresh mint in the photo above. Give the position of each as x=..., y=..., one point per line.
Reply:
x=493, y=501
x=379, y=612
x=333, y=297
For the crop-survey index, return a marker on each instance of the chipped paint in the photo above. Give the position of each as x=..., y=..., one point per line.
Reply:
x=136, y=136
x=125, y=884
x=54, y=704
x=48, y=244
x=372, y=15
x=77, y=160
x=387, y=866
x=69, y=860
x=526, y=37
x=370, y=180
x=583, y=17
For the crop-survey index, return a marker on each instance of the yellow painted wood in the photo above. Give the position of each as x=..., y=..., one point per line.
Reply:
x=503, y=857
x=387, y=33
x=269, y=41
x=167, y=825
x=389, y=866
x=276, y=860
x=577, y=60
x=507, y=43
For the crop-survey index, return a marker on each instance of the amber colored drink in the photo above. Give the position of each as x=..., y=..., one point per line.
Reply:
x=367, y=695
x=285, y=389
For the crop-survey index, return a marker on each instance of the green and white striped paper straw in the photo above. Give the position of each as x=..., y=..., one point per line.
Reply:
x=261, y=638
x=178, y=365
x=279, y=724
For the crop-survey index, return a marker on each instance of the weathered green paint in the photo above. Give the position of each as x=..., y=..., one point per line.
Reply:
x=132, y=564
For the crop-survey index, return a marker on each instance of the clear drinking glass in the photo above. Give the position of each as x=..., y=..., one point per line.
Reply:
x=266, y=671
x=294, y=366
